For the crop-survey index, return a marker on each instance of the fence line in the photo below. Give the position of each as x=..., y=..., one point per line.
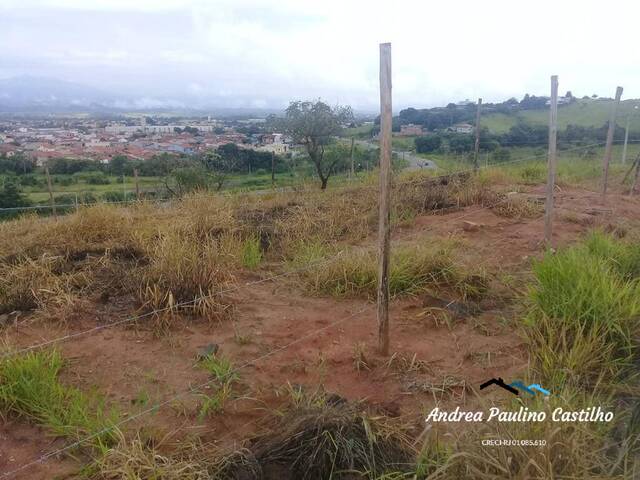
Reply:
x=163, y=403
x=244, y=285
x=292, y=189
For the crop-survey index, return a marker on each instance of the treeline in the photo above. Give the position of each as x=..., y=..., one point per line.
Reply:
x=238, y=159
x=440, y=118
x=180, y=174
x=522, y=134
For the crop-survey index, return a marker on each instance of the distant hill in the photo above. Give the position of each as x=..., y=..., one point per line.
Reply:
x=583, y=112
x=530, y=111
x=32, y=93
x=37, y=95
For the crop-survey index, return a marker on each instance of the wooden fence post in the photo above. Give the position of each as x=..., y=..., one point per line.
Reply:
x=384, y=230
x=626, y=140
x=607, y=151
x=50, y=187
x=273, y=170
x=636, y=165
x=477, y=144
x=551, y=161
x=352, y=172
x=135, y=178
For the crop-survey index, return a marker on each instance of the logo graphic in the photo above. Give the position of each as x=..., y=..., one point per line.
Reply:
x=514, y=387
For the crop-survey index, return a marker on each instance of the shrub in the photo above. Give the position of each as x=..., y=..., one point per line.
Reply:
x=428, y=144
x=534, y=173
x=97, y=179
x=501, y=155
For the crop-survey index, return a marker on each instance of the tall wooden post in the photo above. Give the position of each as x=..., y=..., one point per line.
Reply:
x=607, y=151
x=635, y=177
x=384, y=229
x=135, y=179
x=50, y=187
x=626, y=140
x=352, y=172
x=552, y=161
x=477, y=145
x=273, y=170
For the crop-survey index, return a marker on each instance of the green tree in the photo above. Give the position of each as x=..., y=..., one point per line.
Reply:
x=10, y=197
x=428, y=144
x=314, y=124
x=119, y=165
x=206, y=172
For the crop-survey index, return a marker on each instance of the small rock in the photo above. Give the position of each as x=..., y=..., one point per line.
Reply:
x=468, y=226
x=208, y=350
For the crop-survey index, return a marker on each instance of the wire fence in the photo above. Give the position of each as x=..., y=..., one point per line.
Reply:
x=308, y=267
x=191, y=390
x=76, y=205
x=179, y=396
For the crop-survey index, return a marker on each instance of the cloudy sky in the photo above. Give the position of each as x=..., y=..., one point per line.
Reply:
x=264, y=53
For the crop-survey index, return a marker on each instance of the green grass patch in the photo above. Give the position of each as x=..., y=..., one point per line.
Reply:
x=251, y=252
x=225, y=377
x=585, y=306
x=30, y=387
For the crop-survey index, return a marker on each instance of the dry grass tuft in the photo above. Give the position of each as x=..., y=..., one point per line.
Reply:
x=33, y=284
x=330, y=440
x=518, y=206
x=414, y=269
x=138, y=459
x=187, y=276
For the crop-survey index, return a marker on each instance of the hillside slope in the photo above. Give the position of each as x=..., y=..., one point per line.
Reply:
x=586, y=113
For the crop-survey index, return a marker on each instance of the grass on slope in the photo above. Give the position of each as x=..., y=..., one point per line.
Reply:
x=586, y=113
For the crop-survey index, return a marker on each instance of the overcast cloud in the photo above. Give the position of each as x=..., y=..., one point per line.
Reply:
x=264, y=53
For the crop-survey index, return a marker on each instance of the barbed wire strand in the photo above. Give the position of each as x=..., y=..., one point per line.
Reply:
x=288, y=189
x=191, y=390
x=310, y=266
x=155, y=407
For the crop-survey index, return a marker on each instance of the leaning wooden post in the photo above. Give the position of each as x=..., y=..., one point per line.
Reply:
x=607, y=151
x=384, y=230
x=477, y=145
x=551, y=161
x=50, y=187
x=135, y=179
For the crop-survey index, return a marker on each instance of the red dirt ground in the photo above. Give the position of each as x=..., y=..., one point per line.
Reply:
x=136, y=370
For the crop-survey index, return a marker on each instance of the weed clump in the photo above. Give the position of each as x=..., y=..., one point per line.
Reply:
x=414, y=269
x=326, y=439
x=585, y=305
x=29, y=386
x=183, y=275
x=32, y=284
x=251, y=252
